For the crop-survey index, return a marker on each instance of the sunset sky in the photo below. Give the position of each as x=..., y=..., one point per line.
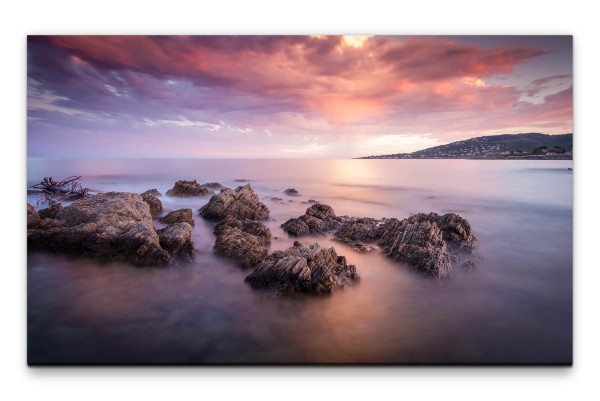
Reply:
x=289, y=96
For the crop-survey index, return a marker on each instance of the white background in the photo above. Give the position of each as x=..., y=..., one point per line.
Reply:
x=303, y=17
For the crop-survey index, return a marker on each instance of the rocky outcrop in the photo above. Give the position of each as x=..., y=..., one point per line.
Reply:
x=50, y=212
x=178, y=216
x=111, y=226
x=241, y=203
x=150, y=197
x=189, y=188
x=245, y=241
x=319, y=218
x=429, y=242
x=33, y=218
x=291, y=192
x=176, y=239
x=300, y=269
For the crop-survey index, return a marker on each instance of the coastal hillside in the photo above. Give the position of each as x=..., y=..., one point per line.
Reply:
x=507, y=146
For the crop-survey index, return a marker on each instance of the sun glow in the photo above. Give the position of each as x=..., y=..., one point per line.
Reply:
x=355, y=40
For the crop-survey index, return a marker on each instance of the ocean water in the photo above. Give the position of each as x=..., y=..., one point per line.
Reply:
x=515, y=306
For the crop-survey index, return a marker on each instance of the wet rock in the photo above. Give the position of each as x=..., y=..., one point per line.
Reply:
x=176, y=239
x=111, y=226
x=245, y=241
x=178, y=216
x=189, y=188
x=241, y=203
x=291, y=192
x=319, y=218
x=50, y=212
x=300, y=269
x=155, y=204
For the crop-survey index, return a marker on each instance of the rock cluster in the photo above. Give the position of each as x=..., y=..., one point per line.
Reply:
x=301, y=269
x=319, y=218
x=241, y=203
x=429, y=242
x=111, y=226
x=189, y=188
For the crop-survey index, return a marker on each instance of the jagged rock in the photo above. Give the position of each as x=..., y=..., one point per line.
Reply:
x=301, y=269
x=427, y=241
x=419, y=243
x=318, y=218
x=153, y=191
x=178, y=216
x=155, y=204
x=111, y=226
x=50, y=212
x=244, y=241
x=241, y=203
x=176, y=239
x=291, y=192
x=189, y=188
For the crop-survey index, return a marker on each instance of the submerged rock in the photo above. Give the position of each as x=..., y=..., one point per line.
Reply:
x=213, y=185
x=245, y=241
x=241, y=203
x=291, y=192
x=111, y=226
x=176, y=239
x=178, y=216
x=300, y=269
x=189, y=188
x=155, y=204
x=318, y=218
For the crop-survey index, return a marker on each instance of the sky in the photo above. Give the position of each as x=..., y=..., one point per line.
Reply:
x=289, y=96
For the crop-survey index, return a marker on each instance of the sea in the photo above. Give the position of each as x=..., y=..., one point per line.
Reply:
x=514, y=307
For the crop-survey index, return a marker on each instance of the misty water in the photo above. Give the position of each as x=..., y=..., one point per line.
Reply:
x=515, y=306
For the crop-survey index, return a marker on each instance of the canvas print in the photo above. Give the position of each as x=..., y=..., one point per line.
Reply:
x=313, y=199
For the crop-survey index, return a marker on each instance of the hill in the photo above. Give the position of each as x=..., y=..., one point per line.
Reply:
x=507, y=146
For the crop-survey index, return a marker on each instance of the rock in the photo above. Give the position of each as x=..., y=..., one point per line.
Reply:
x=241, y=180
x=429, y=242
x=318, y=218
x=311, y=201
x=189, y=188
x=50, y=212
x=213, y=185
x=420, y=244
x=291, y=192
x=176, y=239
x=244, y=241
x=241, y=203
x=111, y=226
x=33, y=217
x=178, y=216
x=276, y=199
x=155, y=204
x=153, y=191
x=300, y=269
x=358, y=229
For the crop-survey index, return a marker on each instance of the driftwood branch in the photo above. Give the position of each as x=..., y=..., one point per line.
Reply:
x=53, y=191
